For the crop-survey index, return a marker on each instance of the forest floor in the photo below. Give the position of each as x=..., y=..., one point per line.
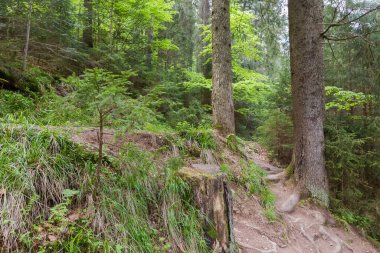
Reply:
x=308, y=228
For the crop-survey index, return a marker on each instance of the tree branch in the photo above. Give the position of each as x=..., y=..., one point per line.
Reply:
x=350, y=37
x=340, y=22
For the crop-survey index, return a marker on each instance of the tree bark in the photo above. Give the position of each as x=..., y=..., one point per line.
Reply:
x=222, y=103
x=306, y=60
x=149, y=51
x=27, y=37
x=111, y=24
x=100, y=151
x=88, y=39
x=212, y=196
x=204, y=13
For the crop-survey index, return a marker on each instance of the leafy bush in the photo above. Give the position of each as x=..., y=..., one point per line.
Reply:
x=352, y=171
x=15, y=103
x=202, y=135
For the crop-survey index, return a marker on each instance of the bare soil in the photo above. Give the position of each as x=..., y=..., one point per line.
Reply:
x=308, y=228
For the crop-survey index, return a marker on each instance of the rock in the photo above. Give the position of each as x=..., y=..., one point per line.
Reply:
x=320, y=218
x=290, y=204
x=213, y=198
x=212, y=169
x=207, y=156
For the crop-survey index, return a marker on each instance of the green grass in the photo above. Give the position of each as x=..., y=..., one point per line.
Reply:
x=253, y=179
x=140, y=206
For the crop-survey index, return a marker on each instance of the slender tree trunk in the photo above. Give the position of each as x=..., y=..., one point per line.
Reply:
x=88, y=39
x=306, y=59
x=149, y=51
x=98, y=23
x=27, y=39
x=222, y=103
x=100, y=154
x=205, y=17
x=111, y=24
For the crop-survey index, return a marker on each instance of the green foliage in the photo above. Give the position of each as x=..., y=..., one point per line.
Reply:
x=98, y=91
x=35, y=80
x=341, y=99
x=245, y=43
x=276, y=134
x=35, y=179
x=251, y=103
x=351, y=170
x=179, y=102
x=252, y=178
x=53, y=172
x=182, y=219
x=55, y=110
x=228, y=171
x=136, y=115
x=202, y=135
x=14, y=103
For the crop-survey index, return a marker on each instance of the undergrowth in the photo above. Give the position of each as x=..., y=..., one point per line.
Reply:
x=252, y=178
x=46, y=186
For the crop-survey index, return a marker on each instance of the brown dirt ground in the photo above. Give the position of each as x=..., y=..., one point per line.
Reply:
x=308, y=228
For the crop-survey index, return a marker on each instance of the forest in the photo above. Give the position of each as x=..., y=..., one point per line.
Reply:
x=190, y=126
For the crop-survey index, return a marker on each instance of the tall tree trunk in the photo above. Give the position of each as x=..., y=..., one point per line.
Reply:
x=100, y=149
x=205, y=18
x=222, y=103
x=111, y=24
x=306, y=60
x=149, y=51
x=88, y=39
x=27, y=37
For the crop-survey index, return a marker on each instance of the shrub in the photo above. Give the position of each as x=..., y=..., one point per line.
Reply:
x=276, y=134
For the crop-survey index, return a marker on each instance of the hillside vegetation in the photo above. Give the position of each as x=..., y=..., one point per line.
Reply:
x=103, y=102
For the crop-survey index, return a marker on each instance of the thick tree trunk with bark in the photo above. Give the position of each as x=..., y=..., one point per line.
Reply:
x=306, y=57
x=88, y=39
x=222, y=103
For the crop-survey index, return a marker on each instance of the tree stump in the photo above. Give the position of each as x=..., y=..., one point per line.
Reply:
x=212, y=196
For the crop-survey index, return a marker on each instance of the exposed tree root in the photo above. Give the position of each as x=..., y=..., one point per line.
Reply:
x=275, y=177
x=336, y=239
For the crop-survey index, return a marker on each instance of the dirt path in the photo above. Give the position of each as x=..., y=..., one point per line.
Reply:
x=307, y=229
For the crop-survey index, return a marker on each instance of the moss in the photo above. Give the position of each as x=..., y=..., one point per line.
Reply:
x=211, y=232
x=319, y=195
x=289, y=171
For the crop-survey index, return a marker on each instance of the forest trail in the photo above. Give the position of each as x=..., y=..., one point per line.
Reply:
x=307, y=229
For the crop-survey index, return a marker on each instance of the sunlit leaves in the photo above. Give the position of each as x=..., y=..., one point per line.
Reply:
x=340, y=99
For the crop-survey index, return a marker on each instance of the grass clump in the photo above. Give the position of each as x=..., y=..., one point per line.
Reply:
x=139, y=206
x=36, y=166
x=180, y=217
x=252, y=178
x=200, y=135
